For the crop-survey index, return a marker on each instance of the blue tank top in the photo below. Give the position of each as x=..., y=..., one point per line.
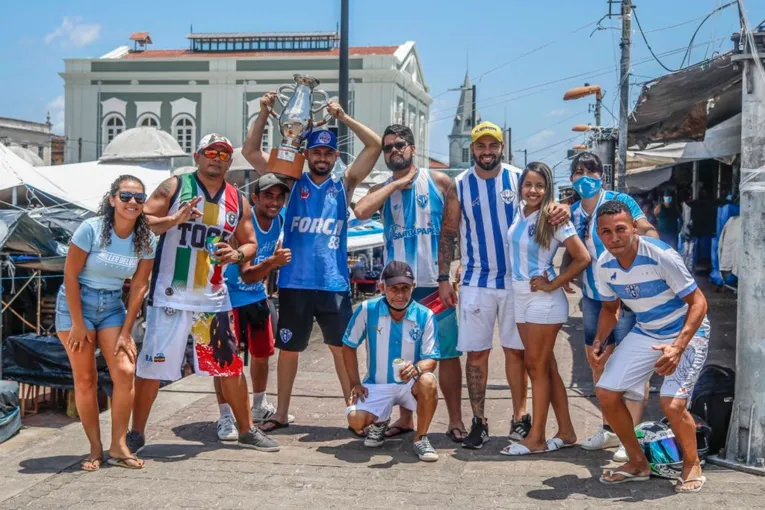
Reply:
x=316, y=230
x=243, y=294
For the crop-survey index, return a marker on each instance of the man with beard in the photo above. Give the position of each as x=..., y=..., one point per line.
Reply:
x=411, y=204
x=198, y=216
x=316, y=282
x=479, y=209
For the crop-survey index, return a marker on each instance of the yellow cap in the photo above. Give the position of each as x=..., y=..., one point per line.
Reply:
x=486, y=129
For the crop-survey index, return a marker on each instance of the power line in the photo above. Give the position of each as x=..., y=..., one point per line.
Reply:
x=690, y=44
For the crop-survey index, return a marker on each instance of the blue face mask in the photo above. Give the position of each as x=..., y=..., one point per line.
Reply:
x=587, y=187
x=667, y=200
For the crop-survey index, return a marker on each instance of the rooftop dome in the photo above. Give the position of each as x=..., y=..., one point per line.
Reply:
x=142, y=143
x=27, y=155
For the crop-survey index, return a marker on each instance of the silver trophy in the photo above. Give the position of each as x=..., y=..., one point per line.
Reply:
x=295, y=122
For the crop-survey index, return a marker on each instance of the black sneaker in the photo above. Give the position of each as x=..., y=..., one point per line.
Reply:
x=135, y=441
x=479, y=434
x=257, y=440
x=520, y=429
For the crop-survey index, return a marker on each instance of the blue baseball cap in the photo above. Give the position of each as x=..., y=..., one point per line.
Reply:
x=322, y=138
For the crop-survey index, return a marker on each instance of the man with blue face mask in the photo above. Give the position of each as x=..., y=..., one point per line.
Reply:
x=667, y=219
x=587, y=181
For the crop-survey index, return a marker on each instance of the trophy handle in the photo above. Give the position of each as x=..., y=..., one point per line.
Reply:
x=317, y=106
x=281, y=96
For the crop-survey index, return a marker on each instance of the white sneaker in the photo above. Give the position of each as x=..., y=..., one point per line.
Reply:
x=621, y=454
x=227, y=429
x=264, y=413
x=601, y=440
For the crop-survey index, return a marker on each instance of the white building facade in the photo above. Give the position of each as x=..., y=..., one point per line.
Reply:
x=34, y=136
x=215, y=86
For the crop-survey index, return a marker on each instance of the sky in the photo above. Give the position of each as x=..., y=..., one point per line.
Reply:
x=523, y=55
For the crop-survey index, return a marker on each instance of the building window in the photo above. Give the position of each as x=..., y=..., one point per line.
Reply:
x=268, y=139
x=113, y=126
x=398, y=115
x=422, y=130
x=466, y=155
x=41, y=151
x=468, y=122
x=148, y=120
x=183, y=131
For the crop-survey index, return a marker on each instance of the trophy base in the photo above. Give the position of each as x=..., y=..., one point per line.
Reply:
x=286, y=161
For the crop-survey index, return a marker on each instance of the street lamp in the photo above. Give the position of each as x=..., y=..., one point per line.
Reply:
x=581, y=128
x=580, y=147
x=587, y=90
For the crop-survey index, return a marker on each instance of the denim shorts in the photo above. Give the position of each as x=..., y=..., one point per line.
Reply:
x=591, y=312
x=101, y=309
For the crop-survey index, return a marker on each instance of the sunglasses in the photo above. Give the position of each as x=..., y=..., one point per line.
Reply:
x=212, y=154
x=125, y=196
x=399, y=146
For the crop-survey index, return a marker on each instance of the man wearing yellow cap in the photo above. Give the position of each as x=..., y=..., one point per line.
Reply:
x=480, y=206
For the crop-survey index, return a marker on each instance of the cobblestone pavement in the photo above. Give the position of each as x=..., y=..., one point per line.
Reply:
x=322, y=466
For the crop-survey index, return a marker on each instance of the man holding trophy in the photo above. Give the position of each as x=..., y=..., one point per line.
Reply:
x=316, y=283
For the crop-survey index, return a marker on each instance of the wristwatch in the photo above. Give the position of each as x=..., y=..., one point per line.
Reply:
x=442, y=278
x=240, y=256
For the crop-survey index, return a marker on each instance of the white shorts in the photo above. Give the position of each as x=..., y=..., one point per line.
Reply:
x=539, y=307
x=168, y=331
x=383, y=398
x=632, y=363
x=479, y=309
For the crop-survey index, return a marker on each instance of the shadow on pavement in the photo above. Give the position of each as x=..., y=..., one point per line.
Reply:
x=562, y=487
x=355, y=452
x=53, y=464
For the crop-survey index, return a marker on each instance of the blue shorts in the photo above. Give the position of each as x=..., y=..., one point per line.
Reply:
x=591, y=312
x=101, y=309
x=447, y=325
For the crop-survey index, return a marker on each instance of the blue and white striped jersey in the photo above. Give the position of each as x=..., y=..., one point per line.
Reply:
x=653, y=287
x=586, y=227
x=527, y=258
x=487, y=207
x=412, y=227
x=412, y=339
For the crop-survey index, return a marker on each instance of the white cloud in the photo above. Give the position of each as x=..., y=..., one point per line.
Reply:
x=56, y=109
x=557, y=113
x=72, y=32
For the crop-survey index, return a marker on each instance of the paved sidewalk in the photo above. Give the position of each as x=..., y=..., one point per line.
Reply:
x=322, y=466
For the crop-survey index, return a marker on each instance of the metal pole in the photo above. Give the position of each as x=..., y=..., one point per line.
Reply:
x=625, y=92
x=745, y=447
x=598, y=107
x=343, y=78
x=474, y=115
x=79, y=150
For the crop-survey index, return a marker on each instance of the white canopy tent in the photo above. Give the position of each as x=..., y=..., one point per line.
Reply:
x=84, y=184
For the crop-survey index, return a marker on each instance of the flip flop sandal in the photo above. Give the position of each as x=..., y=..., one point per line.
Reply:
x=681, y=482
x=453, y=436
x=557, y=443
x=627, y=477
x=398, y=431
x=94, y=462
x=123, y=462
x=274, y=425
x=519, y=450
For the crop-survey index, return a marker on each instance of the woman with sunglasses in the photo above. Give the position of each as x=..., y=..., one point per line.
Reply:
x=105, y=251
x=541, y=307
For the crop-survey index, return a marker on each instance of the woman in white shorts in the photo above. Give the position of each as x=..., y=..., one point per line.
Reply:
x=541, y=307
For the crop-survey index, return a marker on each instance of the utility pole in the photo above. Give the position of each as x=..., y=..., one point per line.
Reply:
x=745, y=446
x=624, y=92
x=342, y=130
x=474, y=115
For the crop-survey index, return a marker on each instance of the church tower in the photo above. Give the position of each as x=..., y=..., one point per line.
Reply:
x=459, y=139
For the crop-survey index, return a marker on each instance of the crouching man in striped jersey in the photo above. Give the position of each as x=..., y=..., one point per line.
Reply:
x=671, y=337
x=402, y=350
